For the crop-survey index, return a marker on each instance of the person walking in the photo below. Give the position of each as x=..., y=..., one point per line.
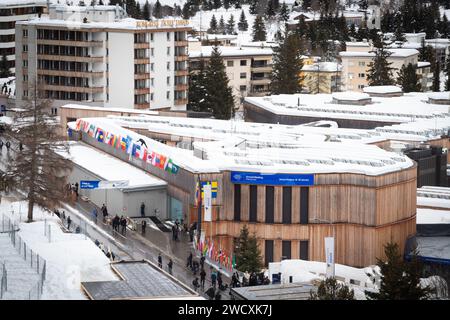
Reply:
x=123, y=223
x=219, y=280
x=202, y=278
x=159, y=260
x=174, y=232
x=213, y=278
x=104, y=211
x=69, y=221
x=195, y=284
x=94, y=215
x=202, y=261
x=142, y=209
x=170, y=265
x=189, y=261
x=20, y=146
x=8, y=145
x=143, y=225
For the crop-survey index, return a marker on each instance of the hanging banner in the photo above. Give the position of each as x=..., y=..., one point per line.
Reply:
x=329, y=256
x=207, y=202
x=277, y=179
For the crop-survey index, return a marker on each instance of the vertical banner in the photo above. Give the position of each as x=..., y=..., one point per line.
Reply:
x=329, y=256
x=208, y=202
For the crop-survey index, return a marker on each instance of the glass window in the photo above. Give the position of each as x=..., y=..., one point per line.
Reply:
x=237, y=202
x=243, y=62
x=243, y=75
x=230, y=63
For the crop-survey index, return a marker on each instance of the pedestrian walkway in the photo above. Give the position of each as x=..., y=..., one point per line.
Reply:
x=152, y=243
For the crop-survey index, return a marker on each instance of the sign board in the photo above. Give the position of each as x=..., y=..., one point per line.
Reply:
x=93, y=184
x=277, y=179
x=329, y=256
x=207, y=202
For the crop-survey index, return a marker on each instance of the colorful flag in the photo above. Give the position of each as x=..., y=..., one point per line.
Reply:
x=129, y=144
x=91, y=131
x=78, y=125
x=143, y=154
x=123, y=143
x=149, y=157
x=162, y=161
x=100, y=135
x=136, y=150
x=175, y=168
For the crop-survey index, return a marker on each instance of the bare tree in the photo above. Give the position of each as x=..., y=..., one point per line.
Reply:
x=35, y=168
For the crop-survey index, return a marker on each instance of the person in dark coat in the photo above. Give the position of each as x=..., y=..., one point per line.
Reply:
x=174, y=233
x=213, y=278
x=202, y=278
x=123, y=223
x=1, y=144
x=211, y=292
x=142, y=209
x=8, y=145
x=219, y=279
x=144, y=225
x=170, y=265
x=195, y=284
x=189, y=261
x=202, y=261
x=159, y=260
x=69, y=221
x=104, y=211
x=218, y=296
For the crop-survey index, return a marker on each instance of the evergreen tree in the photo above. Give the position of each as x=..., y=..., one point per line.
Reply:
x=380, y=70
x=186, y=12
x=436, y=78
x=237, y=5
x=4, y=67
x=270, y=11
x=138, y=14
x=302, y=28
x=213, y=28
x=444, y=28
x=217, y=4
x=287, y=66
x=177, y=11
x=226, y=4
x=408, y=80
x=157, y=10
x=284, y=12
x=447, y=73
x=259, y=29
x=399, y=36
x=197, y=90
x=101, y=3
x=221, y=28
x=306, y=4
x=146, y=11
x=248, y=254
x=253, y=6
x=330, y=289
x=230, y=25
x=426, y=54
x=400, y=280
x=243, y=24
x=219, y=94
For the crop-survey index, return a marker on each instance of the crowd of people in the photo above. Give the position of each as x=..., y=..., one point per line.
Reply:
x=6, y=90
x=108, y=253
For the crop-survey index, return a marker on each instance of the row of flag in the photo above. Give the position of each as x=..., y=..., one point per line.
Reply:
x=215, y=253
x=133, y=148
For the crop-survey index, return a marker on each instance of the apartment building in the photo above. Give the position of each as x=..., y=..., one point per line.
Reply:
x=12, y=11
x=248, y=69
x=98, y=56
x=321, y=77
x=359, y=55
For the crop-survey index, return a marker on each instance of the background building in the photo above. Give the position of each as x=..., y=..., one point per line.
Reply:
x=321, y=77
x=12, y=11
x=96, y=55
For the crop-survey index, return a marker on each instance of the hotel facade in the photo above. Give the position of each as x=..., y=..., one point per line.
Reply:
x=98, y=56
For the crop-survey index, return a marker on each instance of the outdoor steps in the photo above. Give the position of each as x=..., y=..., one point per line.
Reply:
x=21, y=277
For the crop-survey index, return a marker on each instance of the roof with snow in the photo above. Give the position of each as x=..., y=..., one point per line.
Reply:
x=395, y=53
x=226, y=51
x=21, y=3
x=382, y=89
x=323, y=67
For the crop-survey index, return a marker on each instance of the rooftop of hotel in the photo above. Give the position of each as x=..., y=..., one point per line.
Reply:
x=410, y=107
x=226, y=51
x=395, y=53
x=308, y=152
x=19, y=3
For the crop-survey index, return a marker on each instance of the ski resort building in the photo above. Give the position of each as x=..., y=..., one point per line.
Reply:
x=292, y=186
x=98, y=56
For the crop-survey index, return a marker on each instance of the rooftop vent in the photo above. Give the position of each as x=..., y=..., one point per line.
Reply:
x=351, y=98
x=383, y=91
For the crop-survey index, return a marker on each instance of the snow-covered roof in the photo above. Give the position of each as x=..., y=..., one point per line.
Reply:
x=109, y=167
x=315, y=153
x=382, y=89
x=350, y=96
x=20, y=3
x=226, y=51
x=435, y=197
x=323, y=67
x=443, y=95
x=357, y=44
x=395, y=53
x=106, y=109
x=432, y=216
x=423, y=64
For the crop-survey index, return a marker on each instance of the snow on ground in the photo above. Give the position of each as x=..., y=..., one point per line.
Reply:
x=71, y=258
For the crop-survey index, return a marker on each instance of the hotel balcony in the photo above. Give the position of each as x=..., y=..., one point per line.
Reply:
x=181, y=57
x=178, y=102
x=70, y=58
x=181, y=43
x=264, y=68
x=72, y=43
x=144, y=45
x=141, y=76
x=181, y=72
x=78, y=74
x=181, y=87
x=73, y=89
x=141, y=91
x=144, y=105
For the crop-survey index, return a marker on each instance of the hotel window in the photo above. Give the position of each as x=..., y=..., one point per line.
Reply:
x=253, y=203
x=168, y=36
x=152, y=67
x=268, y=252
x=152, y=52
x=230, y=63
x=25, y=48
x=243, y=62
x=270, y=204
x=360, y=86
x=25, y=78
x=151, y=96
x=167, y=95
x=151, y=36
x=287, y=204
x=361, y=75
x=304, y=250
x=152, y=82
x=25, y=33
x=25, y=93
x=168, y=81
x=304, y=195
x=350, y=75
x=362, y=63
x=237, y=202
x=285, y=250
x=168, y=65
x=243, y=75
x=25, y=63
x=168, y=51
x=243, y=88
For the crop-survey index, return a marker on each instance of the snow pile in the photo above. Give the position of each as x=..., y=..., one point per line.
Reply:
x=71, y=258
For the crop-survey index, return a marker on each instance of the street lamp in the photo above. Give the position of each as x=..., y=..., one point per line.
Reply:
x=332, y=262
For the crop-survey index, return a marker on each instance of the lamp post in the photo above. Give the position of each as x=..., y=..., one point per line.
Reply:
x=334, y=244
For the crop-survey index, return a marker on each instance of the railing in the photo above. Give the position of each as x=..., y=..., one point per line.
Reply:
x=3, y=281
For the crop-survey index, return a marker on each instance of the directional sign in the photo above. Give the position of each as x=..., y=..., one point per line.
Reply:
x=272, y=178
x=84, y=184
x=96, y=184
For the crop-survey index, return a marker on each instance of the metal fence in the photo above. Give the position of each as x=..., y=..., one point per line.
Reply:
x=7, y=225
x=29, y=256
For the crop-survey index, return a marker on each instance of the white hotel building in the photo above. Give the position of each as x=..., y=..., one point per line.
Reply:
x=98, y=56
x=12, y=11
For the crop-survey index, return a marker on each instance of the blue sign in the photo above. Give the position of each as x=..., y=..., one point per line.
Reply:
x=84, y=184
x=277, y=179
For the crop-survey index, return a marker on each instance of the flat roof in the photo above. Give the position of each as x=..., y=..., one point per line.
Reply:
x=106, y=109
x=291, y=291
x=109, y=167
x=141, y=280
x=395, y=53
x=434, y=248
x=226, y=51
x=21, y=3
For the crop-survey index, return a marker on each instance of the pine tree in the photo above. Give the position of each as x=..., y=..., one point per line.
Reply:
x=38, y=171
x=226, y=4
x=436, y=78
x=408, y=80
x=138, y=14
x=330, y=289
x=248, y=254
x=426, y=54
x=306, y=4
x=253, y=6
x=221, y=28
x=302, y=28
x=270, y=11
x=230, y=25
x=146, y=11
x=380, y=70
x=400, y=280
x=157, y=10
x=186, y=12
x=243, y=24
x=4, y=67
x=217, y=4
x=197, y=90
x=399, y=36
x=219, y=94
x=287, y=66
x=213, y=25
x=447, y=73
x=259, y=29
x=284, y=12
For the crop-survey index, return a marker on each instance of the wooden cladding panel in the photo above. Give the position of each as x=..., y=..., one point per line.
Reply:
x=278, y=215
x=295, y=204
x=396, y=202
x=261, y=215
x=245, y=202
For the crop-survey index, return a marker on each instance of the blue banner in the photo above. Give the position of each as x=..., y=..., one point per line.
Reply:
x=84, y=184
x=277, y=179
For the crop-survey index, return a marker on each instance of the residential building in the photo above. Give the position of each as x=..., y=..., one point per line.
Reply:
x=359, y=55
x=248, y=69
x=96, y=55
x=12, y=11
x=321, y=77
